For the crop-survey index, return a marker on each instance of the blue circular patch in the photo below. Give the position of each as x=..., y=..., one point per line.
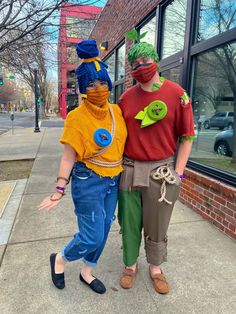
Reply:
x=102, y=137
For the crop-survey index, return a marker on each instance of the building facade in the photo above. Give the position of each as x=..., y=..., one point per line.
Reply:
x=196, y=42
x=76, y=22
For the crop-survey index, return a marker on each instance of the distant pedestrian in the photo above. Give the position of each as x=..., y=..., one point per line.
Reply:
x=94, y=138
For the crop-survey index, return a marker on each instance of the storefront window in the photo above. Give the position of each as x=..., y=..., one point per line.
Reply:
x=174, y=27
x=111, y=66
x=79, y=28
x=150, y=28
x=214, y=102
x=216, y=17
x=172, y=74
x=71, y=54
x=121, y=63
x=119, y=91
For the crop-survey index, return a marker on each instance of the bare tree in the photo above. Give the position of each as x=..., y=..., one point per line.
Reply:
x=19, y=18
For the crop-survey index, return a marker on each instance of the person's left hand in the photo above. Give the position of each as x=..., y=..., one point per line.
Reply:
x=50, y=201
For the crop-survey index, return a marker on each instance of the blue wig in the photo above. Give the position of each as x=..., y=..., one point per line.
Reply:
x=90, y=71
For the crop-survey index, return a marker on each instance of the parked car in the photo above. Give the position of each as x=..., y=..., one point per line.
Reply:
x=220, y=120
x=223, y=144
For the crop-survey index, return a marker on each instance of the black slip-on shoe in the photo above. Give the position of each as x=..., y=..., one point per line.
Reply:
x=57, y=279
x=96, y=285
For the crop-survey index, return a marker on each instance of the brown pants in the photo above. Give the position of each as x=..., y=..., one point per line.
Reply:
x=140, y=208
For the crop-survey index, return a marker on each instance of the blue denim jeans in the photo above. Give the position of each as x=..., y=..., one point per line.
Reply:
x=95, y=201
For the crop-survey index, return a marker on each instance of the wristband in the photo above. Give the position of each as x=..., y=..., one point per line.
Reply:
x=181, y=176
x=60, y=188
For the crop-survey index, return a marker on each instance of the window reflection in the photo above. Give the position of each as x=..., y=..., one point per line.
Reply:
x=214, y=101
x=172, y=74
x=111, y=67
x=174, y=27
x=121, y=63
x=150, y=28
x=119, y=91
x=71, y=54
x=79, y=28
x=216, y=17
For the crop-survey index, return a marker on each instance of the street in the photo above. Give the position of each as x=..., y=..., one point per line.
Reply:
x=26, y=120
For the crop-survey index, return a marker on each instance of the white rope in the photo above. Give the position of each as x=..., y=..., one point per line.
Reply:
x=105, y=163
x=164, y=174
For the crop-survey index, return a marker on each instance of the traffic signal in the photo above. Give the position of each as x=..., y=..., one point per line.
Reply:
x=1, y=81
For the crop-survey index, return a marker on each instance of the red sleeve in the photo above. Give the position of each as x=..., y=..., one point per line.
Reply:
x=184, y=119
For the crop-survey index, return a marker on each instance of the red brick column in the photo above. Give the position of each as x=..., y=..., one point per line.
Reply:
x=212, y=199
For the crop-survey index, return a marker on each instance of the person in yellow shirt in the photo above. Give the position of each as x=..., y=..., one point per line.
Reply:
x=94, y=137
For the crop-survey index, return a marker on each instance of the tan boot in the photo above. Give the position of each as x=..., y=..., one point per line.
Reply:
x=128, y=277
x=160, y=283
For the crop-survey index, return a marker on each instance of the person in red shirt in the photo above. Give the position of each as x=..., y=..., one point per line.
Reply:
x=159, y=119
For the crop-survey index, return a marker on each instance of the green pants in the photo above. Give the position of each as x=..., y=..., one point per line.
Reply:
x=139, y=209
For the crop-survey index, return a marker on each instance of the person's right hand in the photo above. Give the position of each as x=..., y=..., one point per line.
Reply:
x=48, y=204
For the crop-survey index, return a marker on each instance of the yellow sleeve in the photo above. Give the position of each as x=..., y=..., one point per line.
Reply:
x=72, y=135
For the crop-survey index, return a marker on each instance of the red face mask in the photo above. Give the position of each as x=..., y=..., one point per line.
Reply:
x=145, y=73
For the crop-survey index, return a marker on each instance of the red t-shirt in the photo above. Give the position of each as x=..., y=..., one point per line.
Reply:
x=159, y=140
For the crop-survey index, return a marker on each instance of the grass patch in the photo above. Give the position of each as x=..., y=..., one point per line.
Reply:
x=15, y=169
x=218, y=163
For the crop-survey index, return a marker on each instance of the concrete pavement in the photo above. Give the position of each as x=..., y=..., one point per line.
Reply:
x=201, y=264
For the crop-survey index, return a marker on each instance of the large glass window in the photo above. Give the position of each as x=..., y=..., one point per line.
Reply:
x=172, y=74
x=71, y=54
x=119, y=89
x=214, y=102
x=216, y=17
x=111, y=66
x=174, y=28
x=150, y=28
x=79, y=28
x=121, y=63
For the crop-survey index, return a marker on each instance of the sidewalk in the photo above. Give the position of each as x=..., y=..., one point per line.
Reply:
x=201, y=264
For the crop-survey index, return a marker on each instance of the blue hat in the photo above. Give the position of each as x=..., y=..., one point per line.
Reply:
x=90, y=70
x=87, y=49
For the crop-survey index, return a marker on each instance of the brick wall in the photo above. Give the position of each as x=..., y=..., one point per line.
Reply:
x=212, y=199
x=118, y=17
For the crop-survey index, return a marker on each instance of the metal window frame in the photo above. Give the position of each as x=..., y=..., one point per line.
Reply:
x=116, y=82
x=187, y=60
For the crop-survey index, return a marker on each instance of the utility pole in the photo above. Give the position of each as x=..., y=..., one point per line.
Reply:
x=36, y=129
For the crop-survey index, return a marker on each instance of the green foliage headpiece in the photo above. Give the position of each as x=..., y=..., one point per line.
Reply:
x=140, y=49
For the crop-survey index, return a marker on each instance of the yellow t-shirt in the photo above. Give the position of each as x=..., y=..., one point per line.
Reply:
x=80, y=126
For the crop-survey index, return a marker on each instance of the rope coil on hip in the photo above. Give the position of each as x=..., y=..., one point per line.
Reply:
x=165, y=175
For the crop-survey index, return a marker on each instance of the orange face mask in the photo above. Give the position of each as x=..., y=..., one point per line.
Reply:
x=98, y=96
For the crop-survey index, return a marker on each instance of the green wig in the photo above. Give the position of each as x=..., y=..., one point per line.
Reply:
x=142, y=49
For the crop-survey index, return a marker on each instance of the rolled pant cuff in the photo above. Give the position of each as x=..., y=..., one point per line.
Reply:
x=91, y=264
x=63, y=254
x=156, y=252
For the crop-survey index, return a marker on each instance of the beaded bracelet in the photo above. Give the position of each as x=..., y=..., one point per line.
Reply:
x=63, y=178
x=56, y=199
x=61, y=192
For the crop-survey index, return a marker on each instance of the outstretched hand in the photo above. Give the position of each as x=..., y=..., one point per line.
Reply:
x=50, y=201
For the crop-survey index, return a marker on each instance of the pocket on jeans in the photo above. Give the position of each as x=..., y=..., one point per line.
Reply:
x=82, y=173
